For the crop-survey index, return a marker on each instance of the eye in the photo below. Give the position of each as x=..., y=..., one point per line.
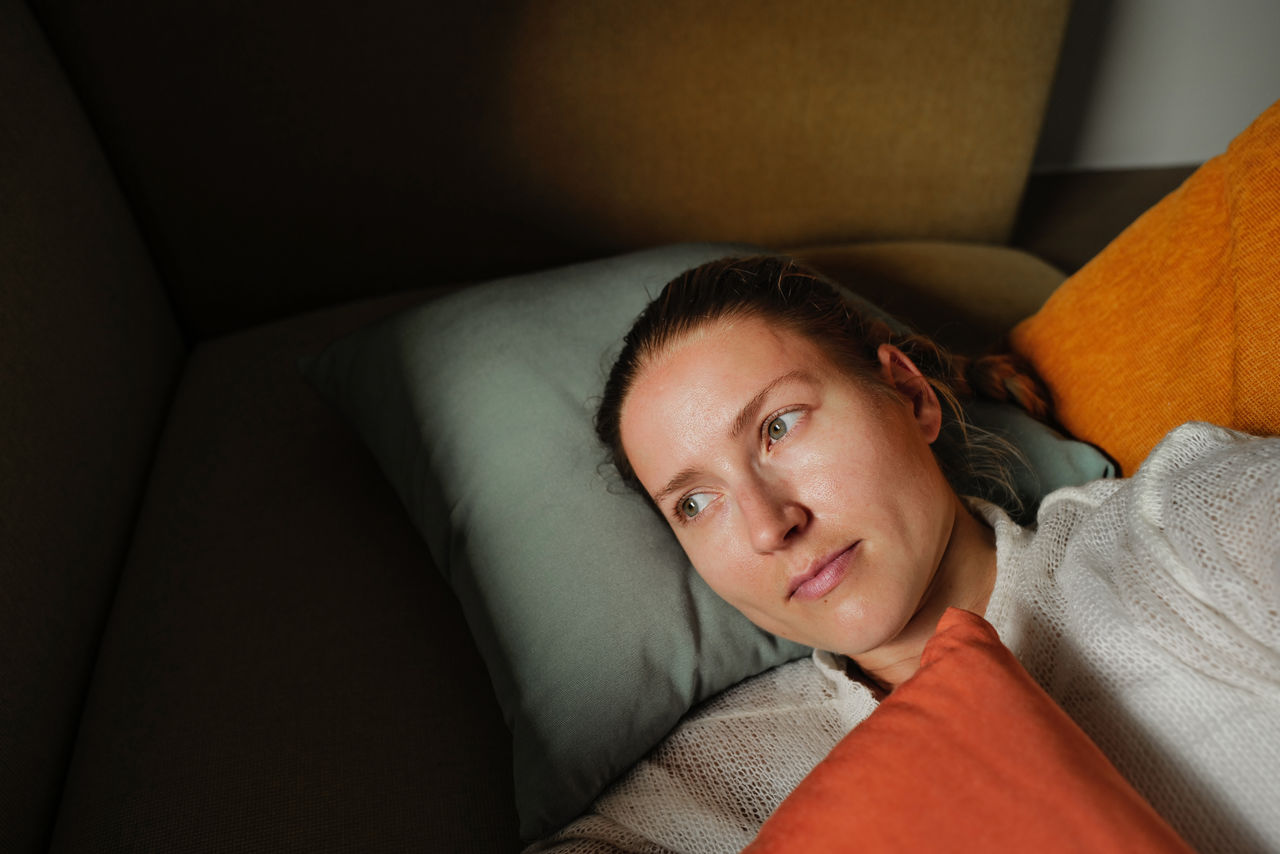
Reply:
x=780, y=425
x=692, y=505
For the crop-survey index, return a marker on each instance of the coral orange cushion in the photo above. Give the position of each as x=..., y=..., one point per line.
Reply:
x=1176, y=319
x=968, y=755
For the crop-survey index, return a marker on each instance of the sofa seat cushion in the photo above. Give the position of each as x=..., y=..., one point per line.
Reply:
x=283, y=668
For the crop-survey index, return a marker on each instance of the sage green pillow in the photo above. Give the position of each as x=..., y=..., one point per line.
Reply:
x=597, y=634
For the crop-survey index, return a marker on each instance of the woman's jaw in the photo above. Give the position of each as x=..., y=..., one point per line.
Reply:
x=965, y=579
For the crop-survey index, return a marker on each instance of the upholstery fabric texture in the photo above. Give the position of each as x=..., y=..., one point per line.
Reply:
x=88, y=356
x=283, y=669
x=1176, y=319
x=479, y=409
x=969, y=754
x=534, y=135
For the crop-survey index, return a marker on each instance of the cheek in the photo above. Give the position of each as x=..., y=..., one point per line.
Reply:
x=727, y=565
x=833, y=487
x=829, y=478
x=714, y=558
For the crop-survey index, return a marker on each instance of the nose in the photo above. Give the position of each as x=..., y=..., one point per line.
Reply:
x=773, y=516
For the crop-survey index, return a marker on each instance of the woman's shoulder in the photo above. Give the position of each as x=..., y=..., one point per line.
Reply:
x=1198, y=444
x=1220, y=483
x=1189, y=548
x=1185, y=456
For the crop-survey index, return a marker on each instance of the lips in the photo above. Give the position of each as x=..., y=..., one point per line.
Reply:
x=822, y=576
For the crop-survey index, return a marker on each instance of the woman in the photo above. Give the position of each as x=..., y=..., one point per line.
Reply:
x=806, y=459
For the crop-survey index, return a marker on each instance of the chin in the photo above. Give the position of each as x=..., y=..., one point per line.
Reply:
x=863, y=634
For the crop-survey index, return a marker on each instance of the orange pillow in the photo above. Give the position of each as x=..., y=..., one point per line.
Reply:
x=967, y=755
x=1175, y=320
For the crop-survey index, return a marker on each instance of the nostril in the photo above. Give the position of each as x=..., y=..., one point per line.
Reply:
x=773, y=519
x=794, y=522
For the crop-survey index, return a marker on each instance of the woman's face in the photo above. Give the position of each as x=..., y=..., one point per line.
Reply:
x=806, y=499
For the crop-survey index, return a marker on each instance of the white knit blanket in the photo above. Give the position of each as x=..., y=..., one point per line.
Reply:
x=1148, y=608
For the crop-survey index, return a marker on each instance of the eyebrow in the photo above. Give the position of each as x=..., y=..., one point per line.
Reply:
x=748, y=413
x=745, y=416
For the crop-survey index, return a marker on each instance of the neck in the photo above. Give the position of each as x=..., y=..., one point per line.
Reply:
x=965, y=578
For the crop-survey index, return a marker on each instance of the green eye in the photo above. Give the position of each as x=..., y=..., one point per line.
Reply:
x=778, y=427
x=692, y=505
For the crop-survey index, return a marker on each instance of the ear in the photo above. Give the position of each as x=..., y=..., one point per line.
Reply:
x=902, y=375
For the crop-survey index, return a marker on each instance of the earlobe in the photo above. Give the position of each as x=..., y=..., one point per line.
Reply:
x=902, y=375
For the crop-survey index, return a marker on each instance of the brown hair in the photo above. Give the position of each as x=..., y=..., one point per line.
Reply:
x=782, y=291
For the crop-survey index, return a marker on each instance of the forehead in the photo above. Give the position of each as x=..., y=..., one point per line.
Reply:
x=692, y=390
x=731, y=350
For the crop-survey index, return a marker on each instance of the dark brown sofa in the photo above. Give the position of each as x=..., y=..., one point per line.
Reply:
x=218, y=630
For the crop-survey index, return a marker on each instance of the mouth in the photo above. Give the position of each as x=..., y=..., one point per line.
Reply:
x=822, y=576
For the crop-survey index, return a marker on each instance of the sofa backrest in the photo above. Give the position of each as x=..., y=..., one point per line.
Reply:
x=283, y=155
x=89, y=351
